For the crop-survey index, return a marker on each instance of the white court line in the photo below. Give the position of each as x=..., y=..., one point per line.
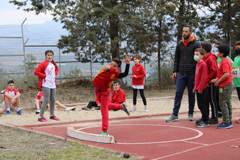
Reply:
x=199, y=133
x=195, y=148
x=196, y=143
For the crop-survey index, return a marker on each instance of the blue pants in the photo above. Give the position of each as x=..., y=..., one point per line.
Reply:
x=184, y=81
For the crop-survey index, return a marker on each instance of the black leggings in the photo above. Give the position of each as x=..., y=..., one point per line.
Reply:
x=135, y=96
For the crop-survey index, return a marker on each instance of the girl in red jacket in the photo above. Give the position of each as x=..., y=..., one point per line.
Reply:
x=138, y=74
x=46, y=72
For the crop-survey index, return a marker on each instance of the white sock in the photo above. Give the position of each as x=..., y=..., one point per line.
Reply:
x=18, y=109
x=8, y=109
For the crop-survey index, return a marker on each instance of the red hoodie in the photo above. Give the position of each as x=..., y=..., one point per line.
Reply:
x=118, y=97
x=201, y=76
x=139, y=71
x=211, y=61
x=40, y=72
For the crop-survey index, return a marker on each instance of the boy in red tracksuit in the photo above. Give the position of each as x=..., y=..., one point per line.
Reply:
x=211, y=61
x=138, y=74
x=118, y=97
x=102, y=83
x=91, y=104
x=201, y=83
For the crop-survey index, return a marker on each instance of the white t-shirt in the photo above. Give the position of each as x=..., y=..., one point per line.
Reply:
x=49, y=80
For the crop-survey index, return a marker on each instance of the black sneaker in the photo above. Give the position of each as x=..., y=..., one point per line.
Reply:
x=201, y=124
x=97, y=108
x=125, y=109
x=213, y=121
x=197, y=121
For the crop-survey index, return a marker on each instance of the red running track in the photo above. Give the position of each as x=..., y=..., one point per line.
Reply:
x=156, y=139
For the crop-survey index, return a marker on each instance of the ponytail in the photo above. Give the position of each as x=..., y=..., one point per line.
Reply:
x=54, y=64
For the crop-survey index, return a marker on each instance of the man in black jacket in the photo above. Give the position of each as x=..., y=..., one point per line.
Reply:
x=184, y=71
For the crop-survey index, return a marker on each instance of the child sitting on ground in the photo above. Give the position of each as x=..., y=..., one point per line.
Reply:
x=118, y=97
x=39, y=100
x=11, y=98
x=91, y=104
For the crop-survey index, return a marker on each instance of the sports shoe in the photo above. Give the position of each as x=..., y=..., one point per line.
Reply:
x=231, y=125
x=104, y=133
x=8, y=112
x=42, y=119
x=85, y=108
x=145, y=109
x=219, y=114
x=125, y=109
x=224, y=125
x=201, y=124
x=98, y=108
x=213, y=121
x=197, y=121
x=190, y=117
x=238, y=121
x=37, y=111
x=172, y=118
x=54, y=117
x=133, y=109
x=19, y=112
x=70, y=108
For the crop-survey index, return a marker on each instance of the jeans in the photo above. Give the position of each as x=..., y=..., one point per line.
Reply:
x=184, y=81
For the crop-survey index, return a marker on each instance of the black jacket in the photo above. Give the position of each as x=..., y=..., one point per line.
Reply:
x=184, y=62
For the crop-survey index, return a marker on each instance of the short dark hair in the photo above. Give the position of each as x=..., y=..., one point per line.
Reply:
x=237, y=43
x=225, y=49
x=190, y=27
x=206, y=46
x=199, y=50
x=118, y=61
x=116, y=81
x=218, y=43
x=10, y=81
x=137, y=56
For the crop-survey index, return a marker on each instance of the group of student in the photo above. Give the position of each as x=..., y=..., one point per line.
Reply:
x=214, y=83
x=46, y=72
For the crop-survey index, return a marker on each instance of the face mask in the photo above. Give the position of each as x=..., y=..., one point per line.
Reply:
x=196, y=58
x=237, y=51
x=214, y=50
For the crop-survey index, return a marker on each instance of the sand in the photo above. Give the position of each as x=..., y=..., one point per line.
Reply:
x=155, y=106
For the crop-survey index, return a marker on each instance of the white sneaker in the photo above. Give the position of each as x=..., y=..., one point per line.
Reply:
x=133, y=109
x=70, y=108
x=146, y=110
x=37, y=111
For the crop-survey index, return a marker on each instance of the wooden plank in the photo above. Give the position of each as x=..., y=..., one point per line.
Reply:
x=89, y=136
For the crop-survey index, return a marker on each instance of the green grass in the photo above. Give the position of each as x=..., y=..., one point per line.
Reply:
x=22, y=145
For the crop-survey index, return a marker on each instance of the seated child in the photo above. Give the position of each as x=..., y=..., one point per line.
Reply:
x=118, y=97
x=91, y=104
x=11, y=98
x=39, y=100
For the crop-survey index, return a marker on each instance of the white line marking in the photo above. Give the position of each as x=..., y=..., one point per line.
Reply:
x=195, y=148
x=197, y=143
x=199, y=133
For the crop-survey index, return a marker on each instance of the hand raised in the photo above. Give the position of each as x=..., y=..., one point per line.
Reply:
x=127, y=59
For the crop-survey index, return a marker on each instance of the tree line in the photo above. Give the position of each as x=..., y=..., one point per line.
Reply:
x=103, y=29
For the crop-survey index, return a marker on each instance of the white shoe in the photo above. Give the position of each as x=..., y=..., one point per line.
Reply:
x=37, y=111
x=146, y=110
x=133, y=109
x=70, y=108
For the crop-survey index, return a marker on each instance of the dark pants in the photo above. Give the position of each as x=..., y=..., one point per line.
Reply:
x=218, y=107
x=135, y=96
x=212, y=95
x=203, y=104
x=91, y=104
x=238, y=92
x=184, y=81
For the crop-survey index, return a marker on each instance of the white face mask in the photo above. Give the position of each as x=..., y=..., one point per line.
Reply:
x=196, y=58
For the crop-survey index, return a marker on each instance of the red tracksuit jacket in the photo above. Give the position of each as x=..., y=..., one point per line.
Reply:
x=211, y=62
x=118, y=97
x=139, y=71
x=201, y=76
x=40, y=72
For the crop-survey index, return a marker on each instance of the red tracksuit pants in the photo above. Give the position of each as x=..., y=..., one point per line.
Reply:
x=104, y=97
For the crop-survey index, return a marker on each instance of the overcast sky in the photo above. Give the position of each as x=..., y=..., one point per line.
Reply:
x=10, y=15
